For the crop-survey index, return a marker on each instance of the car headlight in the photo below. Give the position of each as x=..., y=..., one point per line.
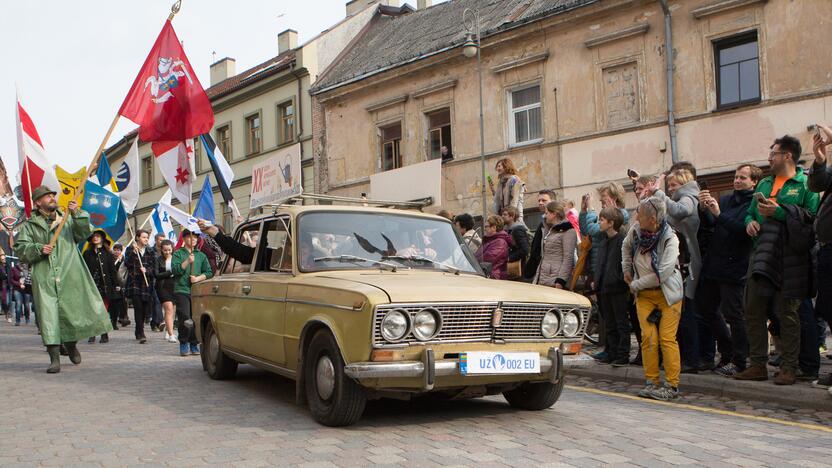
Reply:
x=550, y=324
x=395, y=325
x=426, y=324
x=571, y=323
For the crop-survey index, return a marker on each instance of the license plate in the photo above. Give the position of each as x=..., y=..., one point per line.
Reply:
x=482, y=362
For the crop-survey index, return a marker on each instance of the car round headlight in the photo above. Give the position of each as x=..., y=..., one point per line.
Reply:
x=571, y=323
x=426, y=324
x=550, y=324
x=395, y=325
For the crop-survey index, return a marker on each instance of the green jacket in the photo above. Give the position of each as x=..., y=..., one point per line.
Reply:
x=68, y=304
x=794, y=192
x=182, y=277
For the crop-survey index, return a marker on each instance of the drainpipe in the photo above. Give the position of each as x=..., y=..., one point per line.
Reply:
x=668, y=49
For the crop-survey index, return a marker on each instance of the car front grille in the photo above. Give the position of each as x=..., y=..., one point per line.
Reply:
x=470, y=322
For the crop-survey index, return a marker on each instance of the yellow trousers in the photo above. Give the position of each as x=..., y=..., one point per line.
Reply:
x=663, y=335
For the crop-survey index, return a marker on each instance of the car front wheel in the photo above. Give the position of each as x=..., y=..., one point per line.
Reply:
x=218, y=365
x=534, y=396
x=334, y=399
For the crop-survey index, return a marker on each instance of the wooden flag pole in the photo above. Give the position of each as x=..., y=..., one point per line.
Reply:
x=90, y=168
x=136, y=249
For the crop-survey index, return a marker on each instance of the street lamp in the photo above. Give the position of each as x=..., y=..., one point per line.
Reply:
x=473, y=46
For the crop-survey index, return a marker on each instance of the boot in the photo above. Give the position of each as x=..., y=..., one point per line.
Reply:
x=105, y=338
x=54, y=359
x=74, y=354
x=754, y=372
x=785, y=377
x=64, y=352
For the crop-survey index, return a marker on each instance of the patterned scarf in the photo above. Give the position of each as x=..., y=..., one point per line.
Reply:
x=647, y=243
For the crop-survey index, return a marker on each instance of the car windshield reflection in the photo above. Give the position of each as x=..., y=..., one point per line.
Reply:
x=356, y=240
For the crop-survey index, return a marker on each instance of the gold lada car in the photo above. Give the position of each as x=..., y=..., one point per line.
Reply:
x=360, y=303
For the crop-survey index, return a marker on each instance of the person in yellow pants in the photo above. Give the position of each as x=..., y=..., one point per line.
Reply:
x=650, y=262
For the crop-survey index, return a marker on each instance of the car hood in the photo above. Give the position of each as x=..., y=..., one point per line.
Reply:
x=433, y=286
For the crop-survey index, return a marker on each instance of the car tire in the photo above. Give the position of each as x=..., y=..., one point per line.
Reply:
x=217, y=363
x=534, y=396
x=334, y=399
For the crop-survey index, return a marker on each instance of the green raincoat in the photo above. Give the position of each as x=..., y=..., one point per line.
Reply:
x=68, y=304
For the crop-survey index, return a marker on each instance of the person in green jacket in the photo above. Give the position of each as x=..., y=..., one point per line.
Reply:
x=68, y=304
x=190, y=266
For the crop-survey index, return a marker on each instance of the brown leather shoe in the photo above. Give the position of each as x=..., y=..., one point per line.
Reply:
x=758, y=373
x=785, y=377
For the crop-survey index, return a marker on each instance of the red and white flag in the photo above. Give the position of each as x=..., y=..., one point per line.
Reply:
x=166, y=99
x=176, y=163
x=35, y=168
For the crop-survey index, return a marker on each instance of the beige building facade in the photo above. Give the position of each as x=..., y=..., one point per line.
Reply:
x=574, y=92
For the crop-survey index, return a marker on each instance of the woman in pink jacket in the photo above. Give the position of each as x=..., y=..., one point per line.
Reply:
x=494, y=249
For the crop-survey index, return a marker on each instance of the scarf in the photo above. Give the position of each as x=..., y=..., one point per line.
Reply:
x=648, y=241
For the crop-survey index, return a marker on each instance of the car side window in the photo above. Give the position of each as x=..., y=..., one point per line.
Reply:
x=248, y=236
x=276, y=247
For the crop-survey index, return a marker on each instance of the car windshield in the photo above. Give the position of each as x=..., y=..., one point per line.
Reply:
x=350, y=240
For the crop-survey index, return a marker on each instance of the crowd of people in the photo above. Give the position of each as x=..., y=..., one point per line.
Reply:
x=704, y=282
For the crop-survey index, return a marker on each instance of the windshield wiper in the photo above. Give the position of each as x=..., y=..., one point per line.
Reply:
x=419, y=258
x=355, y=259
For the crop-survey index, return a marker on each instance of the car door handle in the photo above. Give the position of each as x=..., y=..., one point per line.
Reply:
x=215, y=288
x=246, y=289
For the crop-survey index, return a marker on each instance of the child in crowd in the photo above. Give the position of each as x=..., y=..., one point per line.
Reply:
x=612, y=291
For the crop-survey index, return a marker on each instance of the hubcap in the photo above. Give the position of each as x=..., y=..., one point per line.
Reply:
x=325, y=377
x=213, y=347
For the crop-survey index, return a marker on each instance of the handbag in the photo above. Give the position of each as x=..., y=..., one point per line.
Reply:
x=514, y=269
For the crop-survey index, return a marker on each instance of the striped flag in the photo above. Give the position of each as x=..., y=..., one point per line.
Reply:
x=222, y=172
x=35, y=168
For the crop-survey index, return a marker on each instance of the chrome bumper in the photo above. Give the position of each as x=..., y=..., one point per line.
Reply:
x=552, y=365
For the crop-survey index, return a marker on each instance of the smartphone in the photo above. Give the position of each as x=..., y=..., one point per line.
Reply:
x=760, y=197
x=632, y=174
x=703, y=185
x=817, y=131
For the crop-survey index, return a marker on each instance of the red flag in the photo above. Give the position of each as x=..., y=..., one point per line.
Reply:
x=35, y=168
x=166, y=100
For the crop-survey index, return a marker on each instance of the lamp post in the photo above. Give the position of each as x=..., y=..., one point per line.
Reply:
x=472, y=47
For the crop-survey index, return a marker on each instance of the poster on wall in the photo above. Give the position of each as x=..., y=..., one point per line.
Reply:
x=276, y=178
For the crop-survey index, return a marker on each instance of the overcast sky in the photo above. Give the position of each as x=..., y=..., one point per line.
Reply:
x=74, y=61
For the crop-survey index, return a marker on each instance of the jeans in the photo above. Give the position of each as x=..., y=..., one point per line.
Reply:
x=809, y=356
x=141, y=309
x=615, y=309
x=761, y=298
x=158, y=317
x=662, y=336
x=21, y=306
x=187, y=334
x=688, y=335
x=720, y=306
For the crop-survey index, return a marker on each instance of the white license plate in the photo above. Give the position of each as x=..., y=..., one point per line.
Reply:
x=485, y=362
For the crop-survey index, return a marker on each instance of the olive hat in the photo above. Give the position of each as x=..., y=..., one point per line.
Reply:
x=42, y=191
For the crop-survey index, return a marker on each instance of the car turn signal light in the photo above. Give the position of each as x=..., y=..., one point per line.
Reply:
x=571, y=348
x=386, y=355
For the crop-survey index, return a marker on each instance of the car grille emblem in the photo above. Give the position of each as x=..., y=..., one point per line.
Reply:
x=497, y=317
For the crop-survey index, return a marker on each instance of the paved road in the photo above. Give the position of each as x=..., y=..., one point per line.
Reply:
x=143, y=405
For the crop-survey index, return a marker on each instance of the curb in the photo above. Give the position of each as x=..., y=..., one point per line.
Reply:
x=796, y=396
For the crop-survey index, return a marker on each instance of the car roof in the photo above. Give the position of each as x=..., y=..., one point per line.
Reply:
x=295, y=210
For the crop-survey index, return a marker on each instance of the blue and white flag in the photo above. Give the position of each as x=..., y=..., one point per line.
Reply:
x=184, y=219
x=222, y=172
x=205, y=203
x=160, y=220
x=127, y=178
x=102, y=205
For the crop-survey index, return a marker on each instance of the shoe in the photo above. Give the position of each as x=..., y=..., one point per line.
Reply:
x=645, y=392
x=706, y=366
x=91, y=340
x=124, y=323
x=9, y=319
x=74, y=354
x=637, y=360
x=183, y=349
x=774, y=361
x=600, y=356
x=104, y=338
x=154, y=328
x=664, y=393
x=823, y=382
x=54, y=359
x=27, y=321
x=142, y=340
x=195, y=349
x=785, y=377
x=64, y=352
x=728, y=370
x=605, y=360
x=756, y=373
x=805, y=376
x=115, y=326
x=689, y=370
x=620, y=362
x=173, y=339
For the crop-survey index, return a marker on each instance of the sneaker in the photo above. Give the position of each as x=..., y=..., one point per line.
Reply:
x=600, y=356
x=728, y=370
x=823, y=382
x=706, y=366
x=183, y=349
x=806, y=376
x=620, y=362
x=636, y=360
x=142, y=340
x=195, y=349
x=173, y=339
x=664, y=393
x=645, y=392
x=17, y=324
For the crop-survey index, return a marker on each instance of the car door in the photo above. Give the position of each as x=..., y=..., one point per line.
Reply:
x=232, y=288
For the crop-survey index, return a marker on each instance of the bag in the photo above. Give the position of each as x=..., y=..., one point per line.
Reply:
x=584, y=247
x=122, y=275
x=514, y=269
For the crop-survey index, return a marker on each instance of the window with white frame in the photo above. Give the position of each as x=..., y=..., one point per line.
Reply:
x=525, y=121
x=391, y=137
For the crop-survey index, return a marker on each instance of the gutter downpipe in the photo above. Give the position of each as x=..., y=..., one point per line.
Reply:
x=668, y=46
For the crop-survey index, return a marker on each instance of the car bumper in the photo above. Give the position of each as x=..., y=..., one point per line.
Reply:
x=552, y=366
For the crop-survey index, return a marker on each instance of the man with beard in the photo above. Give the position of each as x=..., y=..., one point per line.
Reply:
x=68, y=304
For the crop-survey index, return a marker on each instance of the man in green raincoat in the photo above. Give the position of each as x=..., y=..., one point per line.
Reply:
x=68, y=303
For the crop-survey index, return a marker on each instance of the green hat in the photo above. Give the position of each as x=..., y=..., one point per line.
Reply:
x=41, y=191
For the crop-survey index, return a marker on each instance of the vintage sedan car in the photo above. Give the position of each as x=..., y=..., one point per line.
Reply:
x=358, y=303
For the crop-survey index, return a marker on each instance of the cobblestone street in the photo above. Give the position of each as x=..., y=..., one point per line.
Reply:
x=143, y=405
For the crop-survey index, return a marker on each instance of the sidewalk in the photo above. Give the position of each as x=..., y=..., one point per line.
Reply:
x=801, y=395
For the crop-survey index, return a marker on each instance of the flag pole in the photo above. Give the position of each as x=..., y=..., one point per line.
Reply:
x=136, y=249
x=28, y=184
x=92, y=165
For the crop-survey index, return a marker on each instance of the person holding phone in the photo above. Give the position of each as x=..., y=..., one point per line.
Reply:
x=820, y=180
x=510, y=189
x=779, y=275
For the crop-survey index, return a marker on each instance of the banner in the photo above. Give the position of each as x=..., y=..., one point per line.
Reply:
x=102, y=205
x=70, y=183
x=276, y=178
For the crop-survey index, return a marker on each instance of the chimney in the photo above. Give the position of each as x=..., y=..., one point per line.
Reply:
x=287, y=40
x=422, y=4
x=222, y=70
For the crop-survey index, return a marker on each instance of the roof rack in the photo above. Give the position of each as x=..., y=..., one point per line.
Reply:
x=418, y=203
